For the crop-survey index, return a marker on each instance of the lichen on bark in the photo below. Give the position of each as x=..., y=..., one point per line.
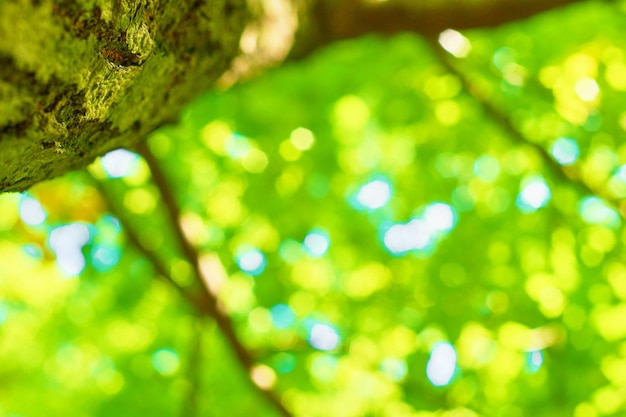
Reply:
x=78, y=79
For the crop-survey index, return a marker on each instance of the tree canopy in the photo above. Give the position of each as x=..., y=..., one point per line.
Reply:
x=403, y=226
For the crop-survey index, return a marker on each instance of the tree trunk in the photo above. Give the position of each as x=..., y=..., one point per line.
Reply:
x=79, y=80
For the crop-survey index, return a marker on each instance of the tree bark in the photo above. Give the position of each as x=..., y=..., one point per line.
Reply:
x=78, y=79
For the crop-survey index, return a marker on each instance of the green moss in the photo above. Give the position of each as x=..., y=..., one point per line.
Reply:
x=80, y=79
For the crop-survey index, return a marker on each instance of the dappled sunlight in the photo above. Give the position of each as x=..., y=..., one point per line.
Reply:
x=386, y=229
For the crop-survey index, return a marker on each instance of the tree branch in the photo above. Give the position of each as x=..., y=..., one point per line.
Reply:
x=207, y=303
x=331, y=21
x=159, y=266
x=503, y=121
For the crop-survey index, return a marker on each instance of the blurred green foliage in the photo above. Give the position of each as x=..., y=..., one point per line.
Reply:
x=385, y=244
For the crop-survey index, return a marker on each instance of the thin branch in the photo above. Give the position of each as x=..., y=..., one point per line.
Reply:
x=134, y=240
x=330, y=20
x=207, y=302
x=504, y=122
x=190, y=407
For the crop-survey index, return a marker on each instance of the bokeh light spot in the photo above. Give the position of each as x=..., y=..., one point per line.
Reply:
x=442, y=87
x=534, y=360
x=565, y=151
x=373, y=195
x=215, y=136
x=351, y=114
x=260, y=320
x=441, y=364
x=34, y=251
x=251, y=261
x=620, y=174
x=317, y=243
x=421, y=232
x=119, y=163
x=67, y=243
x=439, y=217
x=31, y=211
x=366, y=280
x=238, y=146
x=587, y=89
x=255, y=161
x=104, y=257
x=165, y=361
x=108, y=227
x=503, y=58
x=595, y=211
x=302, y=139
x=180, y=272
x=455, y=43
x=323, y=336
x=401, y=238
x=535, y=194
x=283, y=316
x=263, y=376
x=288, y=151
x=140, y=200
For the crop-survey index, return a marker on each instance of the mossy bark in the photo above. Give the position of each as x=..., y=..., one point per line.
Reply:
x=78, y=79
